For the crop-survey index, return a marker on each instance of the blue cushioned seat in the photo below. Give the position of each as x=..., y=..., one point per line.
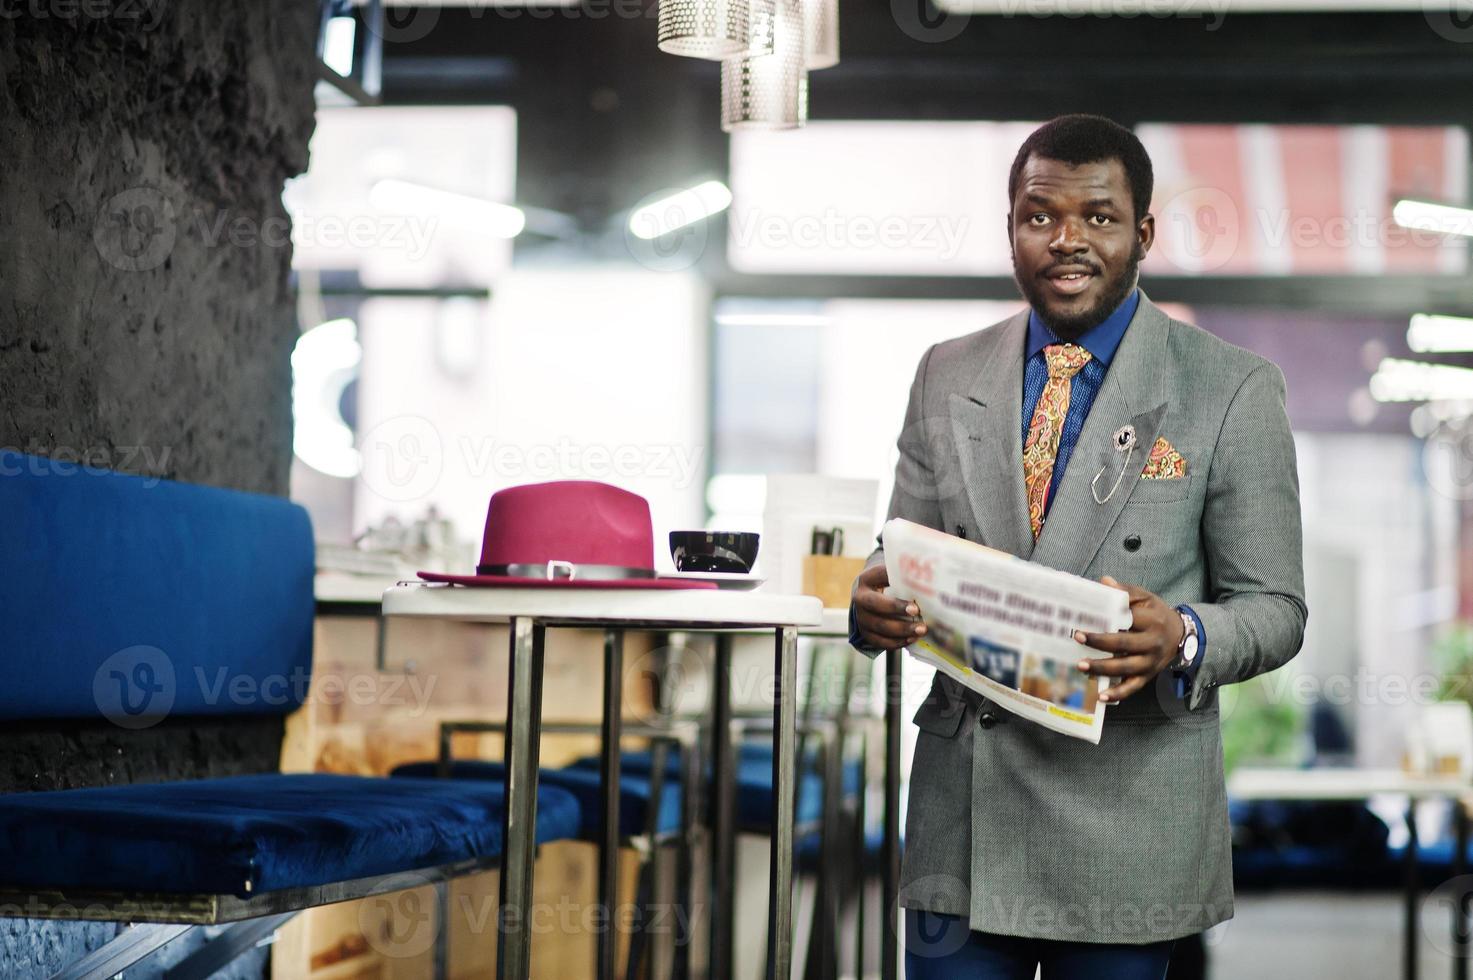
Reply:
x=138, y=597
x=853, y=778
x=582, y=783
x=1309, y=844
x=753, y=783
x=252, y=834
x=874, y=839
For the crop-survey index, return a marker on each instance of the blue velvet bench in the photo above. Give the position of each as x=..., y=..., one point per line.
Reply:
x=133, y=600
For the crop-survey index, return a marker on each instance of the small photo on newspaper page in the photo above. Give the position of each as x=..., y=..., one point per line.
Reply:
x=1004, y=627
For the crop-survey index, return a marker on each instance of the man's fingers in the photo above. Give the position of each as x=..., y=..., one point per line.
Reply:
x=878, y=604
x=1122, y=690
x=1127, y=642
x=889, y=627
x=1117, y=666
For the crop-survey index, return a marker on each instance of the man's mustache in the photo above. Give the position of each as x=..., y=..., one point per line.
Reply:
x=1094, y=270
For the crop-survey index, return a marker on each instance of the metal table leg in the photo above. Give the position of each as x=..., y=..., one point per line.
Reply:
x=233, y=942
x=524, y=732
x=784, y=766
x=608, y=844
x=723, y=825
x=1460, y=898
x=824, y=944
x=890, y=848
x=691, y=819
x=132, y=945
x=861, y=875
x=1409, y=878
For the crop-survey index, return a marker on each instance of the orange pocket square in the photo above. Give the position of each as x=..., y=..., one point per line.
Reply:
x=1164, y=463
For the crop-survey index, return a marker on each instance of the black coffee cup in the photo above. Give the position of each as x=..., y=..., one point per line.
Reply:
x=731, y=552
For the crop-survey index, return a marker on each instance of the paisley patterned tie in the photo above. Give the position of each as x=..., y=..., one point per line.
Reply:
x=1042, y=448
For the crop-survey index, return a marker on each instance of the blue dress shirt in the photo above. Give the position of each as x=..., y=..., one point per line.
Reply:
x=1101, y=341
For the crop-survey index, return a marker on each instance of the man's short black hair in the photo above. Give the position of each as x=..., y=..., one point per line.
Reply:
x=1080, y=138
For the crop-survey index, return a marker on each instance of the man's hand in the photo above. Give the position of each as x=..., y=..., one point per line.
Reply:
x=884, y=622
x=1141, y=652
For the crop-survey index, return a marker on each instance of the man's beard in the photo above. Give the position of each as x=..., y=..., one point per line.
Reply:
x=1071, y=327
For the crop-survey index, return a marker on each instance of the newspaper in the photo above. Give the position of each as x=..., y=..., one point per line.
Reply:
x=1004, y=627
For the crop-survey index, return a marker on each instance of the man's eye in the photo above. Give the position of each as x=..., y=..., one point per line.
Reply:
x=1037, y=219
x=1101, y=219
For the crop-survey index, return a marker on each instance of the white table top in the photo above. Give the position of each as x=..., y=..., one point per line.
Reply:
x=661, y=608
x=1339, y=784
x=344, y=587
x=835, y=624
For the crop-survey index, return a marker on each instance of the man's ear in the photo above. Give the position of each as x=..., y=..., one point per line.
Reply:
x=1010, y=228
x=1145, y=231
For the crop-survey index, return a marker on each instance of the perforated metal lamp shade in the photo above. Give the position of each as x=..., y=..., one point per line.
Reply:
x=821, y=33
x=710, y=29
x=768, y=91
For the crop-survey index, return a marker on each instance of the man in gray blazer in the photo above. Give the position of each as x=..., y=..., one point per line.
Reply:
x=1094, y=434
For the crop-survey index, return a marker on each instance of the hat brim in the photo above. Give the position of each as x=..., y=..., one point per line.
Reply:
x=523, y=582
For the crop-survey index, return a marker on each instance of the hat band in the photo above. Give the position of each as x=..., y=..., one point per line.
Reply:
x=555, y=570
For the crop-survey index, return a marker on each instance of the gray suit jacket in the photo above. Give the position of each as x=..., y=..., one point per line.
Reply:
x=1030, y=833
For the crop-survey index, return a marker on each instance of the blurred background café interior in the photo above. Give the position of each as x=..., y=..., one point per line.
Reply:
x=527, y=244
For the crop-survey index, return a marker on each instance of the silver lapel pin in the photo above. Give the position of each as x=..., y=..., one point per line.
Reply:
x=1124, y=442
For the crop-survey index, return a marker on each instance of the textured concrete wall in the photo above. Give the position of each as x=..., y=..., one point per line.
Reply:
x=145, y=318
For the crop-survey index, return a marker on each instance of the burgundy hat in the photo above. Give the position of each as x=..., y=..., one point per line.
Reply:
x=569, y=533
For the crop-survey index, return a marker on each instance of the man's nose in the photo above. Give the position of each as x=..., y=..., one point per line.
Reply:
x=1069, y=240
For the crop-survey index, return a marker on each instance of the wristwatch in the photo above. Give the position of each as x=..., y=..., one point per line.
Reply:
x=1186, y=650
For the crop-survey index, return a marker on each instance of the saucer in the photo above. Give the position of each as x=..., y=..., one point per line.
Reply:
x=724, y=580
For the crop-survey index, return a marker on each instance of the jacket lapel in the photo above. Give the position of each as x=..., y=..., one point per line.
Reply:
x=987, y=424
x=1133, y=393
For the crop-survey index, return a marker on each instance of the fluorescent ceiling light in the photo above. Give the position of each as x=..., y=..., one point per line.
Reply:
x=403, y=197
x=337, y=45
x=679, y=209
x=1431, y=334
x=1426, y=216
x=324, y=362
x=1400, y=380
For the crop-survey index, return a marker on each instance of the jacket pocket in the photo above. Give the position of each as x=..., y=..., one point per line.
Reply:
x=942, y=712
x=1148, y=491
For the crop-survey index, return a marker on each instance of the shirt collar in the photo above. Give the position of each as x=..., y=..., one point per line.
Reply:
x=1101, y=340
